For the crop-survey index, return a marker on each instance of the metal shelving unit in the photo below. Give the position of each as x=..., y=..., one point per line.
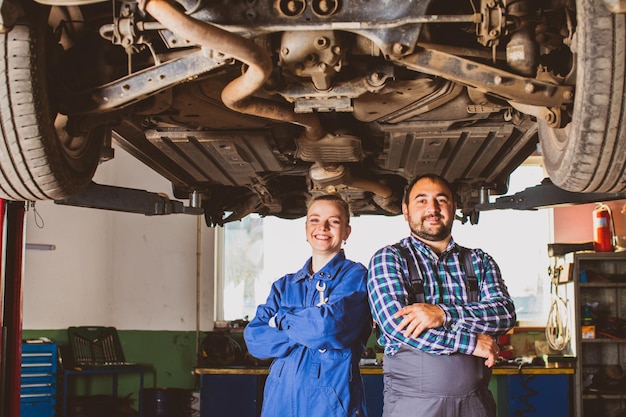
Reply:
x=600, y=381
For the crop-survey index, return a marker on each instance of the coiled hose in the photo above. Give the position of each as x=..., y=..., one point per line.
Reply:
x=558, y=332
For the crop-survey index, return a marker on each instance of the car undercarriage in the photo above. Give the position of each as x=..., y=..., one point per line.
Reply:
x=254, y=106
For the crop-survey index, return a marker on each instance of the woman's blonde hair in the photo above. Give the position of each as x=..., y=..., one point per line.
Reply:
x=336, y=198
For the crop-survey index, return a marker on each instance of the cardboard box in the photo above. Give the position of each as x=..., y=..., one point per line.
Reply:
x=588, y=332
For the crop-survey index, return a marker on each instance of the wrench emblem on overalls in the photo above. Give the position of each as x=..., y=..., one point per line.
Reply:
x=321, y=288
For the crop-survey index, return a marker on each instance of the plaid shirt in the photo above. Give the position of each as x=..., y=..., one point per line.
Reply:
x=444, y=286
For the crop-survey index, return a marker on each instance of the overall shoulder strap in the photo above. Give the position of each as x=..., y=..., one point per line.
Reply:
x=415, y=289
x=468, y=270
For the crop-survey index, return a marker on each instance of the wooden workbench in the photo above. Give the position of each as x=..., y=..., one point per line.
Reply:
x=377, y=370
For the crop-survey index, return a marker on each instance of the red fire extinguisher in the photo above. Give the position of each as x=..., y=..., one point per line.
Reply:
x=603, y=230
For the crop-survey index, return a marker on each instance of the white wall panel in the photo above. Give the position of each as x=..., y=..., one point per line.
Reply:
x=117, y=269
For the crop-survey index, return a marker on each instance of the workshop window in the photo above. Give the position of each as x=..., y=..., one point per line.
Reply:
x=256, y=251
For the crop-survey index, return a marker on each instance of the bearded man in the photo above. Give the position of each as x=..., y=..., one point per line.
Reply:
x=439, y=307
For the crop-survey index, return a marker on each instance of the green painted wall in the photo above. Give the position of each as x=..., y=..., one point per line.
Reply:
x=168, y=356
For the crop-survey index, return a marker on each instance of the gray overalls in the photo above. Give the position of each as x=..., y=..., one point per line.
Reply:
x=426, y=385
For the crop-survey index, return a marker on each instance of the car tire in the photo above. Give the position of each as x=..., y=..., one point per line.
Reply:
x=589, y=154
x=39, y=160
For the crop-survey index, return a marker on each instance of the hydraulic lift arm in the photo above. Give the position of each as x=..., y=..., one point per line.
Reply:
x=127, y=200
x=546, y=195
x=130, y=200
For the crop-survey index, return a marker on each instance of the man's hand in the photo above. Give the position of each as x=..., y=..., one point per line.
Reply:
x=486, y=347
x=419, y=317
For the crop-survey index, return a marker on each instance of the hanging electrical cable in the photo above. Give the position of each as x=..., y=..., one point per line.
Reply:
x=557, y=328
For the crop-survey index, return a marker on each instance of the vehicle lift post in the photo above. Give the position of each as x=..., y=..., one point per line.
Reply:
x=12, y=225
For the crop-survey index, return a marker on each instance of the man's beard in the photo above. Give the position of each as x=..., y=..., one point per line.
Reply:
x=441, y=232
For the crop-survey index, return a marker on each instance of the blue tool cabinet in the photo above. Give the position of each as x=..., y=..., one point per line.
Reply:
x=38, y=382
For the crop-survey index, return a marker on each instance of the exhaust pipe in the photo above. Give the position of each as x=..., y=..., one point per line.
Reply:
x=325, y=176
x=238, y=95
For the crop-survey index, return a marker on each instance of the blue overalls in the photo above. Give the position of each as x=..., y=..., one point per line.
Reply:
x=316, y=327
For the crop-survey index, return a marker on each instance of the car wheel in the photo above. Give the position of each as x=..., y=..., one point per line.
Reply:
x=39, y=160
x=589, y=154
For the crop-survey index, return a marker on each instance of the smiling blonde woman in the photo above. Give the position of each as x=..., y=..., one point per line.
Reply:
x=315, y=324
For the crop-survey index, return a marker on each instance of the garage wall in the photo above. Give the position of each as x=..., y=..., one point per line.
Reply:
x=575, y=223
x=117, y=269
